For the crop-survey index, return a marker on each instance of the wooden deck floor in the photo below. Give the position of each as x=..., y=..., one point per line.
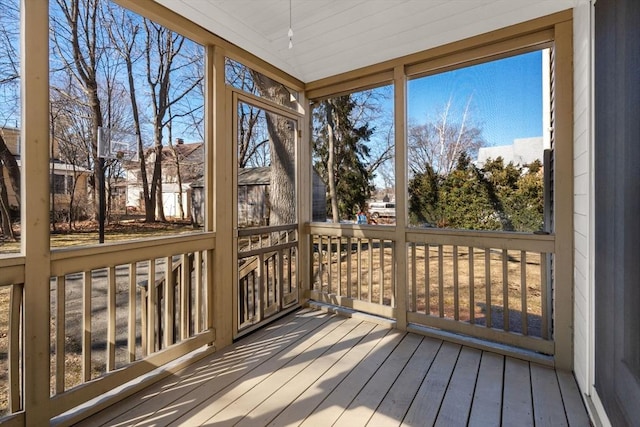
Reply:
x=316, y=369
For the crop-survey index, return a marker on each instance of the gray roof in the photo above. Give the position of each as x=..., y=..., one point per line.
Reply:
x=254, y=176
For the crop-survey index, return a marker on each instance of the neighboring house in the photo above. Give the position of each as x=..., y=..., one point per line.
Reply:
x=187, y=157
x=253, y=190
x=522, y=152
x=62, y=176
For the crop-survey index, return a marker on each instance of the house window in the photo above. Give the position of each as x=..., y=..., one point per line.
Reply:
x=62, y=184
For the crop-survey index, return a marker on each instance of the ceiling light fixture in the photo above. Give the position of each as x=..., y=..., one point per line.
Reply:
x=290, y=32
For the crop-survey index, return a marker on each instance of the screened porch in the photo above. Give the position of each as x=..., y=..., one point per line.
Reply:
x=276, y=306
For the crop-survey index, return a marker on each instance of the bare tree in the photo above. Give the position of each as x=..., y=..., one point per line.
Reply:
x=71, y=139
x=441, y=142
x=165, y=62
x=124, y=38
x=79, y=42
x=281, y=152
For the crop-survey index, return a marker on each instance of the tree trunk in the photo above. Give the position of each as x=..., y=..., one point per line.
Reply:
x=156, y=210
x=11, y=165
x=8, y=162
x=5, y=212
x=282, y=171
x=333, y=196
x=282, y=195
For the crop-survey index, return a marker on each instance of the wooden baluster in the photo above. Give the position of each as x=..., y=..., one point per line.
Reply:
x=440, y=280
x=185, y=296
x=198, y=303
x=394, y=285
x=427, y=278
x=487, y=279
x=370, y=268
x=524, y=310
x=472, y=290
x=414, y=277
x=349, y=278
x=152, y=305
x=131, y=336
x=60, y=334
x=169, y=303
x=544, y=296
x=329, y=265
x=381, y=272
x=456, y=290
x=359, y=275
x=339, y=266
x=505, y=289
x=14, y=358
x=111, y=315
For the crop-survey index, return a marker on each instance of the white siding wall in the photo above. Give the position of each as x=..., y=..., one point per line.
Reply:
x=583, y=179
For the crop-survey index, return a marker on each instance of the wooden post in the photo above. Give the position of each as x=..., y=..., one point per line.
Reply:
x=563, y=196
x=305, y=202
x=400, y=119
x=34, y=73
x=220, y=194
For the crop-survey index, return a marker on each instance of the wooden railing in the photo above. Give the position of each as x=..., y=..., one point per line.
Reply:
x=11, y=313
x=108, y=323
x=267, y=283
x=489, y=285
x=354, y=267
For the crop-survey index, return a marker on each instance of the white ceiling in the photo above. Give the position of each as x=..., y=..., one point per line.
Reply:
x=334, y=36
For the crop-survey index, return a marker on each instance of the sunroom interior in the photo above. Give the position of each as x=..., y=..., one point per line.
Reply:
x=234, y=290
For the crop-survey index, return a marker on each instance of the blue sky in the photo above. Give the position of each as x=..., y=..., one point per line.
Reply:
x=506, y=97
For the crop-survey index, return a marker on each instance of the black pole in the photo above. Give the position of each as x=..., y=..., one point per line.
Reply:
x=102, y=202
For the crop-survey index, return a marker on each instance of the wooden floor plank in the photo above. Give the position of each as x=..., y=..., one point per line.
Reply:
x=214, y=402
x=573, y=403
x=271, y=407
x=424, y=408
x=517, y=406
x=162, y=393
x=314, y=368
x=220, y=372
x=335, y=403
x=548, y=409
x=486, y=409
x=364, y=405
x=456, y=406
x=396, y=403
x=279, y=380
x=303, y=405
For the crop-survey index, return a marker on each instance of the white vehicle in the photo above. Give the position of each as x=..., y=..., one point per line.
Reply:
x=382, y=209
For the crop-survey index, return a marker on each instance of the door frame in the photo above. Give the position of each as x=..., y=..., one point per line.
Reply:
x=237, y=97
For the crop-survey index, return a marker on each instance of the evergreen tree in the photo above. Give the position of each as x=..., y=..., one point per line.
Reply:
x=424, y=191
x=495, y=197
x=342, y=153
x=465, y=200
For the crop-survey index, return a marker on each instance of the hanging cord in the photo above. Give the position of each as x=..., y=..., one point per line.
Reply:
x=290, y=33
